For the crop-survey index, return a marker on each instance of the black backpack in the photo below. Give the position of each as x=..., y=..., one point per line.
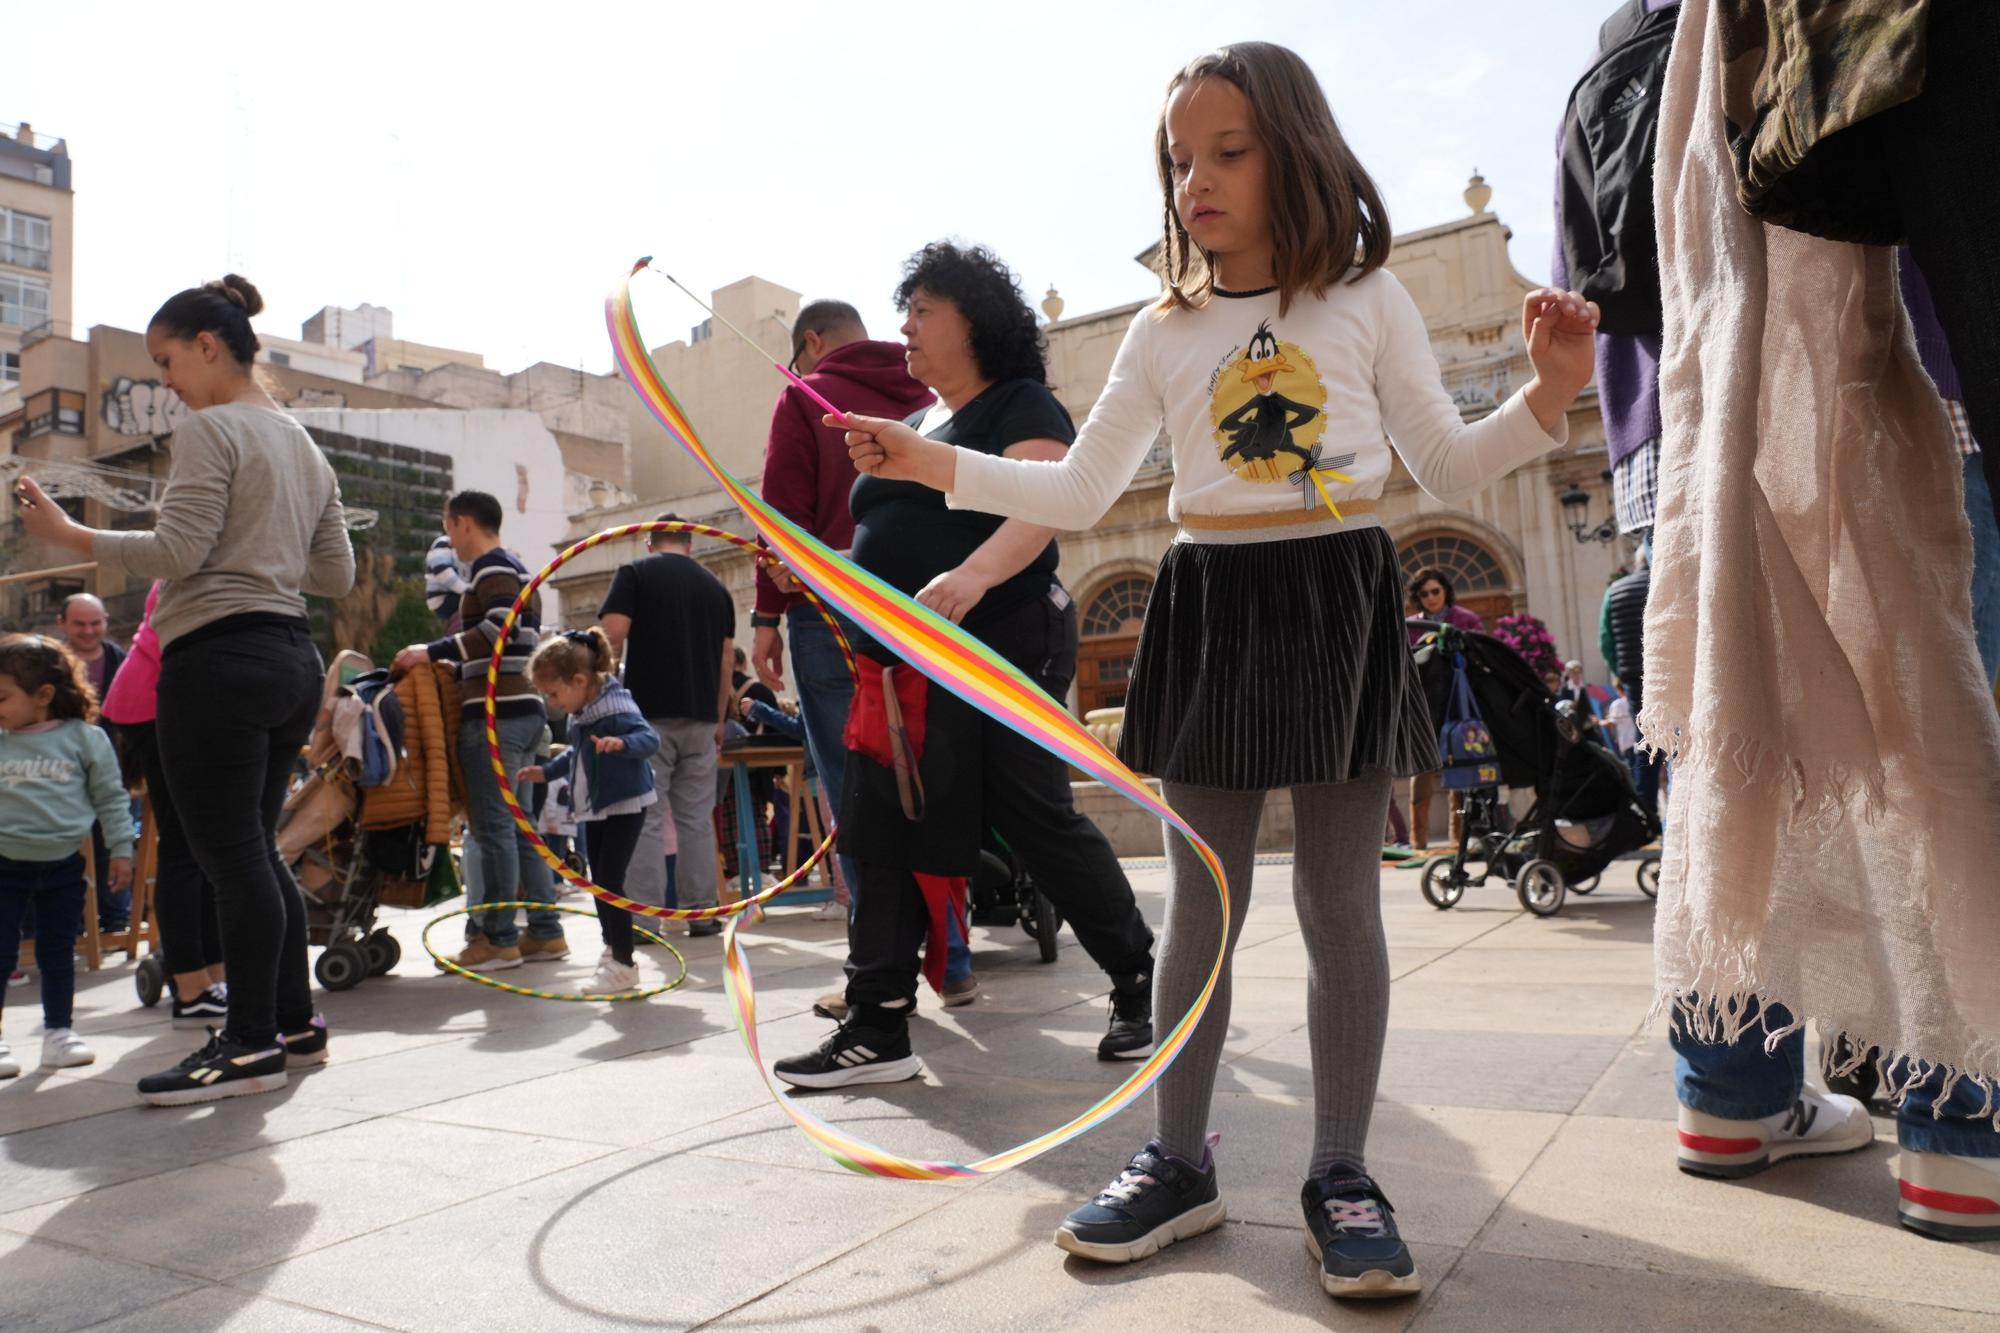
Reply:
x=1613, y=119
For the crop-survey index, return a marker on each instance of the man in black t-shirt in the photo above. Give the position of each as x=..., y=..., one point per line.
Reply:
x=675, y=624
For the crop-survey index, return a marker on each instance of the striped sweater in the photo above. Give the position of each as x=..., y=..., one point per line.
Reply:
x=496, y=579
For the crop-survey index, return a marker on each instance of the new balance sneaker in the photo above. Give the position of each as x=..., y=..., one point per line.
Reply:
x=1351, y=1230
x=853, y=1054
x=9, y=1066
x=613, y=977
x=483, y=955
x=63, y=1049
x=209, y=1007
x=832, y=1005
x=306, y=1046
x=1156, y=1200
x=961, y=992
x=222, y=1068
x=537, y=950
x=1131, y=1034
x=1818, y=1124
x=1949, y=1197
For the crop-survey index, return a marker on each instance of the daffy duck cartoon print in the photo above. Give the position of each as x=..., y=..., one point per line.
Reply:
x=1264, y=427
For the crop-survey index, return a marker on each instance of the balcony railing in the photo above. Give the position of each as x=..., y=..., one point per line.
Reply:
x=21, y=316
x=23, y=256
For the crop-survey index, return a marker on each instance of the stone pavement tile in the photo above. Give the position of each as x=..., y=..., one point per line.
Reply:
x=242, y=1212
x=52, y=1288
x=39, y=1166
x=1603, y=920
x=1584, y=1009
x=40, y=1098
x=1507, y=1071
x=1639, y=1084
x=636, y=1239
x=986, y=1260
x=218, y=1309
x=1544, y=967
x=1285, y=959
x=1489, y=1294
x=1606, y=1192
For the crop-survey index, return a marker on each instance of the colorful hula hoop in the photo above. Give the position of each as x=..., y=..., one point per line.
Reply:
x=531, y=992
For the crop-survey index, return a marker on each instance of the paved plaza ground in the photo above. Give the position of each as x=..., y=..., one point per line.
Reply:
x=475, y=1160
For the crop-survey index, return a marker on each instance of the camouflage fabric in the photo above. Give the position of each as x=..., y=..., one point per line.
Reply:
x=1798, y=77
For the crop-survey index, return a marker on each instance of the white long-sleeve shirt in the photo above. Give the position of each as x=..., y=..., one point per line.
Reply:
x=1247, y=396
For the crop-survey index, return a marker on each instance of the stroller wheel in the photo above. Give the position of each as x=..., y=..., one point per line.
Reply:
x=150, y=980
x=384, y=952
x=1587, y=886
x=1649, y=877
x=1540, y=888
x=341, y=966
x=1444, y=883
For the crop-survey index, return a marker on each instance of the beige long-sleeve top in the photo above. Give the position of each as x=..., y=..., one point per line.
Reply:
x=250, y=522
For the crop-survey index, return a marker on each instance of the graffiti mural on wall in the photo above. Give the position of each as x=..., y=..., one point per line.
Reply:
x=142, y=407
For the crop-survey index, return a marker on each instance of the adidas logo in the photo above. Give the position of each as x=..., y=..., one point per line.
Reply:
x=854, y=1055
x=1631, y=95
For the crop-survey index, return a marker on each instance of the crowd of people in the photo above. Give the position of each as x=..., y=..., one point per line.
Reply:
x=947, y=472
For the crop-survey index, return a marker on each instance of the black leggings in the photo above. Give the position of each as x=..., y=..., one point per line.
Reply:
x=237, y=701
x=183, y=899
x=608, y=844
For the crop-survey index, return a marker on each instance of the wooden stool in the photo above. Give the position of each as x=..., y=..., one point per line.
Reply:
x=142, y=927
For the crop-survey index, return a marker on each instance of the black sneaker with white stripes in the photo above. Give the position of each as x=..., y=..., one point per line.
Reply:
x=1130, y=1036
x=222, y=1068
x=204, y=1010
x=853, y=1054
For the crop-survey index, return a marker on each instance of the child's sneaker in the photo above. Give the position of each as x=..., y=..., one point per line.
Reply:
x=307, y=1046
x=1819, y=1124
x=613, y=977
x=1156, y=1200
x=1949, y=1197
x=536, y=950
x=209, y=1007
x=63, y=1049
x=483, y=955
x=830, y=910
x=222, y=1068
x=9, y=1066
x=17, y=978
x=853, y=1054
x=1351, y=1230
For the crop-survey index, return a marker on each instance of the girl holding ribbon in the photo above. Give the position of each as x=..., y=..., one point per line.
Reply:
x=1285, y=363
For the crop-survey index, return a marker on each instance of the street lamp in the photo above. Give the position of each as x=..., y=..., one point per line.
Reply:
x=1576, y=513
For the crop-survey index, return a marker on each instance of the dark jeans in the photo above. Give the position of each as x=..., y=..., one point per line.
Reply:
x=54, y=889
x=1025, y=797
x=234, y=709
x=183, y=899
x=1646, y=777
x=1741, y=1082
x=608, y=845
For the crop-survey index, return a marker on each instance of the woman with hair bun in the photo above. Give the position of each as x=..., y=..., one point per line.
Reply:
x=249, y=526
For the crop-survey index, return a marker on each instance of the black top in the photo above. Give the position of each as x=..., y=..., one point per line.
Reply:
x=904, y=532
x=681, y=616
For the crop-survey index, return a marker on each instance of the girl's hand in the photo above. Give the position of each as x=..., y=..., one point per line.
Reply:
x=45, y=520
x=955, y=592
x=119, y=873
x=745, y=705
x=1559, y=327
x=532, y=773
x=608, y=744
x=892, y=451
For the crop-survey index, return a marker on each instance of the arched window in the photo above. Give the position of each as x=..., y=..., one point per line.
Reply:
x=1118, y=608
x=1477, y=580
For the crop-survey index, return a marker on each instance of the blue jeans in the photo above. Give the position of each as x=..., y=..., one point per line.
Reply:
x=826, y=692
x=509, y=868
x=54, y=889
x=1985, y=565
x=1740, y=1082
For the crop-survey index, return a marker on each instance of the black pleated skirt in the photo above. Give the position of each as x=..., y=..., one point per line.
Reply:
x=1277, y=664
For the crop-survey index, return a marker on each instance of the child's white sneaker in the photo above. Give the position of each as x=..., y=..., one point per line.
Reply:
x=9, y=1066
x=63, y=1049
x=613, y=977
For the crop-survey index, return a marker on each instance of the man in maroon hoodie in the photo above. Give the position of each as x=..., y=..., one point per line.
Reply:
x=807, y=478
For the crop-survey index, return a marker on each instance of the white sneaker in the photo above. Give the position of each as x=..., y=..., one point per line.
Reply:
x=9, y=1066
x=831, y=911
x=1818, y=1124
x=1949, y=1197
x=63, y=1049
x=613, y=978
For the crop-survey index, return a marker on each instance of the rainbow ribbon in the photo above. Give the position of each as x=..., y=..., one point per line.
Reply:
x=962, y=664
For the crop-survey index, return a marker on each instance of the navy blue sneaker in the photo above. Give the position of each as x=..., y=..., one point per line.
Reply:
x=1351, y=1230
x=1155, y=1201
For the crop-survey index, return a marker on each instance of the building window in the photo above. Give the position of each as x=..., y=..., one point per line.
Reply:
x=10, y=367
x=24, y=301
x=1477, y=580
x=281, y=358
x=24, y=239
x=1110, y=633
x=1117, y=610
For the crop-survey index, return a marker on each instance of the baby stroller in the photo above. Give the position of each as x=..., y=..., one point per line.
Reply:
x=1586, y=812
x=1004, y=894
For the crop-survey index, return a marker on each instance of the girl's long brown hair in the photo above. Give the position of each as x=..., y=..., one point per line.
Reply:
x=34, y=661
x=1327, y=218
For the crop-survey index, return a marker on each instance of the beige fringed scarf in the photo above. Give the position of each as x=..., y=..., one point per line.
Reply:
x=1834, y=839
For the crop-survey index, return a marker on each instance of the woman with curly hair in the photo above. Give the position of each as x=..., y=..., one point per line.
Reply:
x=928, y=775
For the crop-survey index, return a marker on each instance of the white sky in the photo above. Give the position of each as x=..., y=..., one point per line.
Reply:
x=487, y=171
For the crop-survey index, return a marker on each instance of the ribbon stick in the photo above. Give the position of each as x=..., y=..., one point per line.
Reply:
x=955, y=661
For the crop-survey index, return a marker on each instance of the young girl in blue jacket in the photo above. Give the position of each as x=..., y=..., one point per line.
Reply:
x=611, y=784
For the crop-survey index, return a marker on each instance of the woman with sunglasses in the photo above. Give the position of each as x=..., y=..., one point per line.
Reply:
x=1432, y=595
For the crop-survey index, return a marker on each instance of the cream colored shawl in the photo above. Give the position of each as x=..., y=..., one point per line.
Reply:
x=1834, y=838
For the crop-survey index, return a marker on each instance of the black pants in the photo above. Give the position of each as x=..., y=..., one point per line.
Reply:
x=1947, y=197
x=608, y=844
x=183, y=899
x=234, y=708
x=1024, y=795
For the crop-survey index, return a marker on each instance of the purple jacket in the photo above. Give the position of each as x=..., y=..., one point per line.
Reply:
x=1456, y=616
